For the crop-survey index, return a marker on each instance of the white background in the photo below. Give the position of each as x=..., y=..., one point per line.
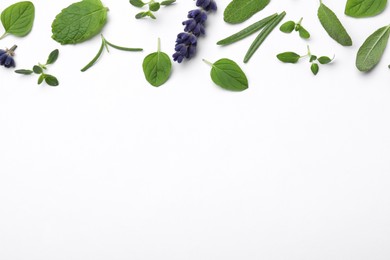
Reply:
x=106, y=166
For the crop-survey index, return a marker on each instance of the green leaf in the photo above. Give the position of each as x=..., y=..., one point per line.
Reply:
x=41, y=78
x=287, y=27
x=364, y=8
x=157, y=67
x=154, y=6
x=228, y=75
x=18, y=19
x=312, y=58
x=168, y=2
x=370, y=53
x=288, y=57
x=37, y=69
x=137, y=3
x=141, y=15
x=24, y=72
x=79, y=22
x=314, y=68
x=53, y=56
x=333, y=26
x=324, y=60
x=239, y=11
x=303, y=33
x=51, y=80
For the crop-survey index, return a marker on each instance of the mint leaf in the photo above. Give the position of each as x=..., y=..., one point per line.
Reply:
x=79, y=22
x=18, y=19
x=364, y=8
x=239, y=11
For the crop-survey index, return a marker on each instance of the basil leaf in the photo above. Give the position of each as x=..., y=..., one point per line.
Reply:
x=157, y=67
x=370, y=53
x=18, y=19
x=288, y=57
x=228, y=75
x=79, y=22
x=239, y=11
x=53, y=56
x=333, y=26
x=364, y=8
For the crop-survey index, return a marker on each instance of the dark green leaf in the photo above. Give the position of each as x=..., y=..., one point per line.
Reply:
x=303, y=33
x=239, y=11
x=18, y=19
x=370, y=53
x=364, y=8
x=313, y=58
x=288, y=57
x=37, y=69
x=314, y=68
x=228, y=75
x=53, y=56
x=141, y=15
x=168, y=2
x=333, y=26
x=79, y=22
x=157, y=67
x=41, y=78
x=154, y=6
x=24, y=72
x=51, y=81
x=287, y=27
x=137, y=3
x=324, y=60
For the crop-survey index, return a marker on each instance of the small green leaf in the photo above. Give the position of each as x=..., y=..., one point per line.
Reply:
x=41, y=78
x=168, y=2
x=288, y=57
x=333, y=26
x=228, y=75
x=137, y=3
x=303, y=33
x=37, y=69
x=157, y=67
x=324, y=60
x=141, y=15
x=53, y=56
x=24, y=72
x=239, y=11
x=364, y=8
x=370, y=53
x=313, y=58
x=51, y=80
x=287, y=27
x=150, y=14
x=18, y=19
x=79, y=22
x=154, y=6
x=314, y=68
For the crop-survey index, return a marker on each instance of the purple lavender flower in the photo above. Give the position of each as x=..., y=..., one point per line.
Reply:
x=194, y=27
x=6, y=57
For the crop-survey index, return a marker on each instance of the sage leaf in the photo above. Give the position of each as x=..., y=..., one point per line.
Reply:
x=18, y=19
x=53, y=56
x=364, y=8
x=370, y=53
x=288, y=57
x=333, y=26
x=157, y=67
x=228, y=75
x=239, y=11
x=79, y=22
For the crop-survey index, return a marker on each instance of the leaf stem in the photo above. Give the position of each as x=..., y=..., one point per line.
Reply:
x=92, y=62
x=158, y=44
x=2, y=37
x=208, y=63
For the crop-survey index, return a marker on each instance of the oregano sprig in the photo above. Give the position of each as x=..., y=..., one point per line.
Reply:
x=153, y=6
x=104, y=45
x=290, y=26
x=40, y=69
x=18, y=19
x=292, y=57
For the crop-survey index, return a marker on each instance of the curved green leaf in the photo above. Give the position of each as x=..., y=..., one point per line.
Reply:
x=364, y=8
x=370, y=53
x=79, y=22
x=18, y=19
x=157, y=67
x=239, y=11
x=333, y=26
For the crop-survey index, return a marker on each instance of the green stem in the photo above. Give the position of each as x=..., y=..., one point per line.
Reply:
x=158, y=45
x=207, y=62
x=2, y=37
x=121, y=48
x=300, y=21
x=92, y=62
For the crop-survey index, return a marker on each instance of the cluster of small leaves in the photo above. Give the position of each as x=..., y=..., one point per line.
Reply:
x=18, y=19
x=152, y=5
x=290, y=26
x=292, y=57
x=39, y=69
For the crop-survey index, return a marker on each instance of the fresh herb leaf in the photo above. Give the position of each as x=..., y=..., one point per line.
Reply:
x=370, y=53
x=51, y=80
x=18, y=19
x=24, y=72
x=287, y=27
x=324, y=60
x=168, y=2
x=154, y=6
x=364, y=8
x=228, y=75
x=314, y=68
x=41, y=79
x=137, y=3
x=333, y=26
x=288, y=57
x=37, y=69
x=303, y=33
x=79, y=22
x=157, y=67
x=52, y=57
x=313, y=58
x=247, y=31
x=239, y=11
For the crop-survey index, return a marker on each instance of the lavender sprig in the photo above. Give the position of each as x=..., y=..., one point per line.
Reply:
x=194, y=27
